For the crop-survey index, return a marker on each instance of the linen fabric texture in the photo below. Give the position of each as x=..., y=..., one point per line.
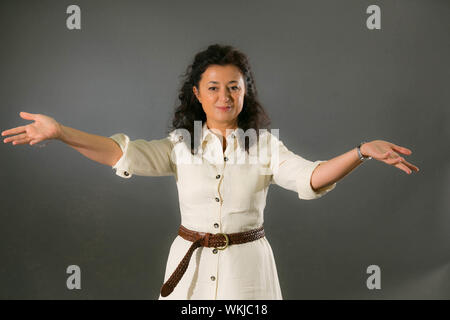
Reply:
x=221, y=191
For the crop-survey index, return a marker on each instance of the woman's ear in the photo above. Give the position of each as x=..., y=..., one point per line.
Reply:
x=196, y=93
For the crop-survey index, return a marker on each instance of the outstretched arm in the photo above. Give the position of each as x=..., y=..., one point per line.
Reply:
x=98, y=148
x=335, y=169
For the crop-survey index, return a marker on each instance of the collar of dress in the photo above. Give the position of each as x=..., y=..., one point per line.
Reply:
x=207, y=134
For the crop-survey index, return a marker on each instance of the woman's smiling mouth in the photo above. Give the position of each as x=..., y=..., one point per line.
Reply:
x=224, y=108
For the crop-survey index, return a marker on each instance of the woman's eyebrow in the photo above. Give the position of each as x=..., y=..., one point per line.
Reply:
x=228, y=82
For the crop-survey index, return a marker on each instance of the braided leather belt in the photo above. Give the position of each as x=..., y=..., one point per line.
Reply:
x=202, y=239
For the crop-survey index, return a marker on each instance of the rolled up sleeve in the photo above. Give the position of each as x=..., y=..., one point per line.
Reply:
x=294, y=173
x=144, y=158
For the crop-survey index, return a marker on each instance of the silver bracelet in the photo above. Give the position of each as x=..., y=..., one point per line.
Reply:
x=358, y=149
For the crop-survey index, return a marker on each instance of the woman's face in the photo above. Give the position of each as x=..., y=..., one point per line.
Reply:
x=221, y=92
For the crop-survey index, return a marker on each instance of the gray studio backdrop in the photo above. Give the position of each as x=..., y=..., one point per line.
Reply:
x=327, y=81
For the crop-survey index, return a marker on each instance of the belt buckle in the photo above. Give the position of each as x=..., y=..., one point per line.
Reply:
x=227, y=241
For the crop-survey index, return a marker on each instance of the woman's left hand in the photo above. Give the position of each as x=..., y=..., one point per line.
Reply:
x=387, y=152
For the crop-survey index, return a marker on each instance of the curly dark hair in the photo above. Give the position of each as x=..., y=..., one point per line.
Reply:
x=252, y=115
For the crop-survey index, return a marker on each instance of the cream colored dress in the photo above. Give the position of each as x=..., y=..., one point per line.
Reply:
x=220, y=192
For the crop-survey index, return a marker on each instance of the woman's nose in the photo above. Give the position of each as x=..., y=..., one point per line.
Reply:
x=225, y=95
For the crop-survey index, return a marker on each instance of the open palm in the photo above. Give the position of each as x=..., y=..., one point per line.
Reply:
x=388, y=153
x=43, y=128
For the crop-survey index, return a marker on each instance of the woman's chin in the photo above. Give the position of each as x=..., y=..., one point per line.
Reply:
x=224, y=120
x=224, y=115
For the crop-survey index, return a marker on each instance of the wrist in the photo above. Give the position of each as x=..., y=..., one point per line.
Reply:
x=363, y=149
x=360, y=149
x=60, y=132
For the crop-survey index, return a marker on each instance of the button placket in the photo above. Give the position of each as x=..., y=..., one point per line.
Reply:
x=217, y=226
x=218, y=175
x=217, y=167
x=219, y=178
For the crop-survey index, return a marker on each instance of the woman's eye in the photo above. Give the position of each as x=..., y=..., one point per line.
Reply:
x=233, y=87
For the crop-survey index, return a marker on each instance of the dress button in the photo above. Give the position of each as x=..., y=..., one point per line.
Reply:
x=215, y=250
x=213, y=278
x=217, y=199
x=126, y=173
x=225, y=159
x=216, y=225
x=218, y=176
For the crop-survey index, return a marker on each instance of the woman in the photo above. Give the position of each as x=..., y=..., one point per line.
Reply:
x=221, y=251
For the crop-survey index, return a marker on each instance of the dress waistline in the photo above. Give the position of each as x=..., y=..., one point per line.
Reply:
x=205, y=239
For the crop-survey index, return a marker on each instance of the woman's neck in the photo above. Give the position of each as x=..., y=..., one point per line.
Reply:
x=221, y=128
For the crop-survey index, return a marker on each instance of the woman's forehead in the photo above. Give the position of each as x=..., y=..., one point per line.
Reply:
x=228, y=73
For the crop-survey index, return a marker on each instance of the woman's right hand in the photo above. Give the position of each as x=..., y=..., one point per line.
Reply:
x=43, y=128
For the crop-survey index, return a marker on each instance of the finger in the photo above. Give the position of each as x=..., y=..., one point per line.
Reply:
x=410, y=166
x=393, y=161
x=402, y=160
x=401, y=149
x=15, y=138
x=21, y=141
x=28, y=116
x=15, y=130
x=403, y=167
